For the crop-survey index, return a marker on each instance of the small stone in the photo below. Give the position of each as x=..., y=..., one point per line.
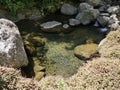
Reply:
x=74, y=22
x=38, y=68
x=65, y=26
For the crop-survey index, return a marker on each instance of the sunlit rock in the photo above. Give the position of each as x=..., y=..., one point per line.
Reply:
x=12, y=51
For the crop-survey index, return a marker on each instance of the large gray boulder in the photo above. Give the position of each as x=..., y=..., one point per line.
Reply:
x=12, y=51
x=68, y=9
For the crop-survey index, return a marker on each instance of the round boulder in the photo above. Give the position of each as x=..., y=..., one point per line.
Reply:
x=12, y=51
x=68, y=9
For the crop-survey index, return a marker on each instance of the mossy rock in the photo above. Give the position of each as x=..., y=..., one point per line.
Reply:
x=29, y=47
x=85, y=51
x=37, y=41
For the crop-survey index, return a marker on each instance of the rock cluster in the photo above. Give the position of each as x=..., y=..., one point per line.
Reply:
x=34, y=45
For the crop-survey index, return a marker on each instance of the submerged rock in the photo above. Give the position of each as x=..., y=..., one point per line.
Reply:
x=68, y=9
x=85, y=51
x=12, y=51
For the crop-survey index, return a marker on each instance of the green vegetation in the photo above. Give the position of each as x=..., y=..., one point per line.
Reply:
x=15, y=5
x=45, y=6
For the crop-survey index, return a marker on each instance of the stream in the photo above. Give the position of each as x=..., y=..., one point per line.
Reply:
x=57, y=56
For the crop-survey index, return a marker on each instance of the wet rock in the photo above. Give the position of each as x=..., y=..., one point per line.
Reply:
x=37, y=41
x=74, y=22
x=29, y=47
x=11, y=46
x=68, y=9
x=85, y=51
x=38, y=68
x=50, y=24
x=39, y=76
x=103, y=20
x=113, y=9
x=94, y=2
x=65, y=26
x=84, y=6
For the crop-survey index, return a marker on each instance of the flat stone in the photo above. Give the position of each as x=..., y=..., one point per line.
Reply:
x=85, y=51
x=50, y=24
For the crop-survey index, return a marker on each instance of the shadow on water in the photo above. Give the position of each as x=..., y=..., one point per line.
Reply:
x=60, y=59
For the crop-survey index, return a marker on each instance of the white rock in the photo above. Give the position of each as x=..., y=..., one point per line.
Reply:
x=50, y=24
x=12, y=51
x=103, y=29
x=65, y=26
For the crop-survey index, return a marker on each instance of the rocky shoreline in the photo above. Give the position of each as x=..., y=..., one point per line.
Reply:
x=105, y=16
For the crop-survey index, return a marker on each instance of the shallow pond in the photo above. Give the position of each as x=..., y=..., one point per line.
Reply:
x=58, y=53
